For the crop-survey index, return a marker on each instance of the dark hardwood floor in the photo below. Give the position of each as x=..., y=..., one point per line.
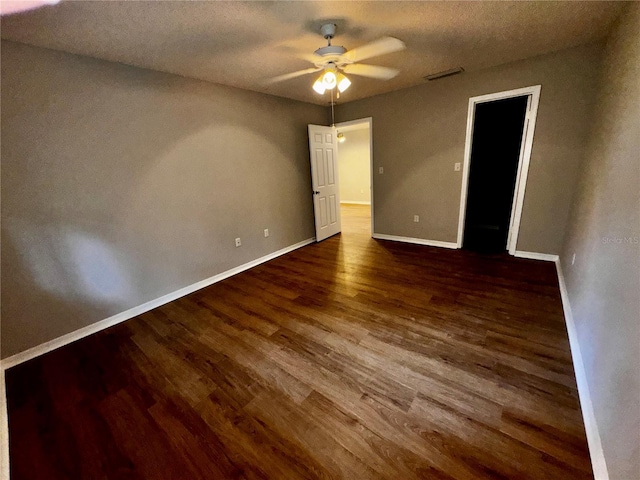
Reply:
x=352, y=358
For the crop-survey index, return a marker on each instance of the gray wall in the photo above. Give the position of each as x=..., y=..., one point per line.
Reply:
x=419, y=133
x=120, y=185
x=354, y=164
x=604, y=233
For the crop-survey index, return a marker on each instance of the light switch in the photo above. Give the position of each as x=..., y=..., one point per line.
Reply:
x=456, y=166
x=381, y=170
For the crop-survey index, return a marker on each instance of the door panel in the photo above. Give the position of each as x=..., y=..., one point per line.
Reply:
x=331, y=180
x=332, y=209
x=324, y=180
x=322, y=203
x=320, y=161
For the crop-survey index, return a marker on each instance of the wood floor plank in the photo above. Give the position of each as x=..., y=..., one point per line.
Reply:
x=353, y=358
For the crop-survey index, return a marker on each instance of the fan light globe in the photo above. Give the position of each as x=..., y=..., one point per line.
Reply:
x=318, y=86
x=343, y=82
x=329, y=80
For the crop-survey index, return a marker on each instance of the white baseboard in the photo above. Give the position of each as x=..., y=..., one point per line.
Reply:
x=140, y=309
x=349, y=202
x=598, y=462
x=417, y=241
x=547, y=257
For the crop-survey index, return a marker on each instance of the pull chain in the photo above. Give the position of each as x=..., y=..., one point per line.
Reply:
x=333, y=120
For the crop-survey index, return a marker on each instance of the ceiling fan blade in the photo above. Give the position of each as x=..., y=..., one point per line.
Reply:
x=309, y=57
x=378, y=47
x=372, y=71
x=288, y=76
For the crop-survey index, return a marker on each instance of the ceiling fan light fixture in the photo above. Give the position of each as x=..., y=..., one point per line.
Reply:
x=343, y=82
x=334, y=60
x=319, y=86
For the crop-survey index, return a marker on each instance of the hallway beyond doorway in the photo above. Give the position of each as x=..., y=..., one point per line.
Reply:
x=356, y=219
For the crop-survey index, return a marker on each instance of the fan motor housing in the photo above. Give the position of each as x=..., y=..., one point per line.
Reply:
x=330, y=50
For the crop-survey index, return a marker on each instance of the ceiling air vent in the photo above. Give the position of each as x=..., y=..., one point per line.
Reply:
x=446, y=73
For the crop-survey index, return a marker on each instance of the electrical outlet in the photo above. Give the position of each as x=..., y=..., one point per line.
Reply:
x=456, y=166
x=573, y=259
x=266, y=232
x=381, y=170
x=416, y=218
x=238, y=242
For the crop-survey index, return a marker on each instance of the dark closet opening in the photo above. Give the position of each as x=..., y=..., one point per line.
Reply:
x=495, y=152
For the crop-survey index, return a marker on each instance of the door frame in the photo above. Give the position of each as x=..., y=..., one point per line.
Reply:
x=368, y=121
x=533, y=92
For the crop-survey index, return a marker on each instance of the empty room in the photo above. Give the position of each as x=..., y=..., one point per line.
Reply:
x=316, y=239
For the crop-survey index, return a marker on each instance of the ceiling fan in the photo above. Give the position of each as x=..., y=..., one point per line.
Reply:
x=335, y=61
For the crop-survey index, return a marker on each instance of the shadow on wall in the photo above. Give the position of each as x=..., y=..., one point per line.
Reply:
x=136, y=181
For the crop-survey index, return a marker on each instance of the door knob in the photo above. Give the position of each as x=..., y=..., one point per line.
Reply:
x=316, y=192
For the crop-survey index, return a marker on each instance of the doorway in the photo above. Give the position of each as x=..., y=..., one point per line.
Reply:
x=354, y=167
x=495, y=152
x=499, y=139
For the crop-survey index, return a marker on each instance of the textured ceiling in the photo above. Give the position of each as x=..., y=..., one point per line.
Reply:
x=243, y=43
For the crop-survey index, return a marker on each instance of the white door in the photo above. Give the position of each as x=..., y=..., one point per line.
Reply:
x=324, y=180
